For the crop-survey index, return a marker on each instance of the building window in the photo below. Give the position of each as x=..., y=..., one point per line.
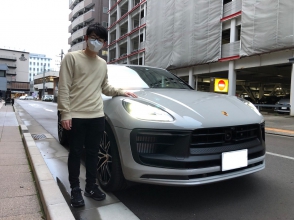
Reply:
x=105, y=10
x=34, y=69
x=30, y=68
x=104, y=53
x=30, y=63
x=34, y=63
x=104, y=24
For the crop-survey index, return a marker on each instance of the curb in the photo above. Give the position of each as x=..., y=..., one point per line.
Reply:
x=54, y=204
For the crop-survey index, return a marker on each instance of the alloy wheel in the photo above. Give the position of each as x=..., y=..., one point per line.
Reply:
x=104, y=160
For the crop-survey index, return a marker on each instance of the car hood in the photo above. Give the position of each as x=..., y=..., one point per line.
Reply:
x=207, y=109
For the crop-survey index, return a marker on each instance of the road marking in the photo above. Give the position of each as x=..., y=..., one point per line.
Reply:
x=279, y=130
x=279, y=155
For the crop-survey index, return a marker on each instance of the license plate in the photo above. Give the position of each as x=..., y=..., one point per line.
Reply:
x=234, y=159
x=283, y=107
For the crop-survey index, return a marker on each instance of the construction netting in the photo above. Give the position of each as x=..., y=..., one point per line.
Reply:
x=267, y=25
x=183, y=32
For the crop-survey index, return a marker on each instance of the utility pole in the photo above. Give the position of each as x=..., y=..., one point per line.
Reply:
x=61, y=55
x=43, y=91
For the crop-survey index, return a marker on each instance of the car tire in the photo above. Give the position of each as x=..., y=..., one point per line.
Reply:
x=63, y=135
x=109, y=170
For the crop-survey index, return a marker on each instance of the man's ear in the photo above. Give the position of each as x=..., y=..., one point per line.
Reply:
x=85, y=37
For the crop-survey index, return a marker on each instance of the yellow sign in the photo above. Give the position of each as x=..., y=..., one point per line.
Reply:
x=221, y=85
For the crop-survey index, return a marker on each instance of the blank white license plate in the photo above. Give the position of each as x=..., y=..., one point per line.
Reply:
x=234, y=159
x=283, y=107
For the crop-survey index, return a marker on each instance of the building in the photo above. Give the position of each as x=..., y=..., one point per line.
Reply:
x=247, y=42
x=17, y=74
x=127, y=31
x=38, y=63
x=47, y=82
x=83, y=13
x=3, y=80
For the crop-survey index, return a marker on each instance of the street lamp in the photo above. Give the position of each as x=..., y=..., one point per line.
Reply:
x=291, y=60
x=43, y=91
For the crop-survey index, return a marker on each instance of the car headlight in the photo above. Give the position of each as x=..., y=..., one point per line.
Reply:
x=146, y=111
x=246, y=102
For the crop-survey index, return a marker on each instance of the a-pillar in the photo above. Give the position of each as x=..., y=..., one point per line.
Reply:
x=292, y=92
x=191, y=78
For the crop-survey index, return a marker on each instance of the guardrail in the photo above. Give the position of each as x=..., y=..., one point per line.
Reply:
x=259, y=106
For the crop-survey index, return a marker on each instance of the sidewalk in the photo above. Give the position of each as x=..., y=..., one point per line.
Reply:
x=18, y=197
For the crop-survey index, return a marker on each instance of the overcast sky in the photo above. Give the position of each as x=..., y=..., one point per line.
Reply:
x=36, y=26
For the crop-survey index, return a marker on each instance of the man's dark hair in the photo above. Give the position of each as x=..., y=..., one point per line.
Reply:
x=98, y=29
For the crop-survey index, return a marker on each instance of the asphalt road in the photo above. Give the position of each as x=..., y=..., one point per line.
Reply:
x=268, y=194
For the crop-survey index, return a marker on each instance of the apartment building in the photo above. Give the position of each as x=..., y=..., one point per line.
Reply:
x=38, y=64
x=127, y=31
x=83, y=13
x=17, y=74
x=248, y=42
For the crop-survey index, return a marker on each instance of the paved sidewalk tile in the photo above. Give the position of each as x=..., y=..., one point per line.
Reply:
x=18, y=197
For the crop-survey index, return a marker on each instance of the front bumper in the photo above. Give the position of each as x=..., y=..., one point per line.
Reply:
x=181, y=175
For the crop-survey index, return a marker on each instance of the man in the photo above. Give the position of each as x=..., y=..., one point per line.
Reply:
x=82, y=79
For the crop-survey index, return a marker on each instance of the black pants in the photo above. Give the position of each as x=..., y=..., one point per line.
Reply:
x=84, y=133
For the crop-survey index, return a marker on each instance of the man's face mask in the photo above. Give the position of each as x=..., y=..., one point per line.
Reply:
x=95, y=45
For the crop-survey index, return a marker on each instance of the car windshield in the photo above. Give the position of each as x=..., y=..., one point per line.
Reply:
x=136, y=77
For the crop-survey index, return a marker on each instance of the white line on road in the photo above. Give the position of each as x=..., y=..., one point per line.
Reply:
x=279, y=155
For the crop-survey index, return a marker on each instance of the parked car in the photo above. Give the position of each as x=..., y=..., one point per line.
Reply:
x=29, y=98
x=172, y=134
x=22, y=97
x=285, y=105
x=47, y=98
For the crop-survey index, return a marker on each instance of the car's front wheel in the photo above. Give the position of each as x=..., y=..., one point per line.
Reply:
x=109, y=171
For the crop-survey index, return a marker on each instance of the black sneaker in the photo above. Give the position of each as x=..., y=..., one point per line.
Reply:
x=76, y=197
x=94, y=193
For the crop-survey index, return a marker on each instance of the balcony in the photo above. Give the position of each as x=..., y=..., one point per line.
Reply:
x=3, y=57
x=142, y=45
x=83, y=18
x=232, y=8
x=80, y=6
x=143, y=20
x=231, y=49
x=89, y=3
x=79, y=33
x=70, y=28
x=73, y=3
x=70, y=16
x=78, y=46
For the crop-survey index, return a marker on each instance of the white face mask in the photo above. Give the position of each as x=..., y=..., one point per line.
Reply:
x=95, y=45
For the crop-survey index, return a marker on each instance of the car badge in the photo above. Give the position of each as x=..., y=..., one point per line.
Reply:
x=225, y=113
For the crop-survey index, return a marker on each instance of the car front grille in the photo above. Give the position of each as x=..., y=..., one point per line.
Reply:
x=218, y=137
x=199, y=148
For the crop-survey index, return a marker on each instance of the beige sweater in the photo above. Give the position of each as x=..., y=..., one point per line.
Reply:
x=82, y=79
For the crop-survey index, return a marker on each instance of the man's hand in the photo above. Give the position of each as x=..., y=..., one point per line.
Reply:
x=131, y=94
x=66, y=124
